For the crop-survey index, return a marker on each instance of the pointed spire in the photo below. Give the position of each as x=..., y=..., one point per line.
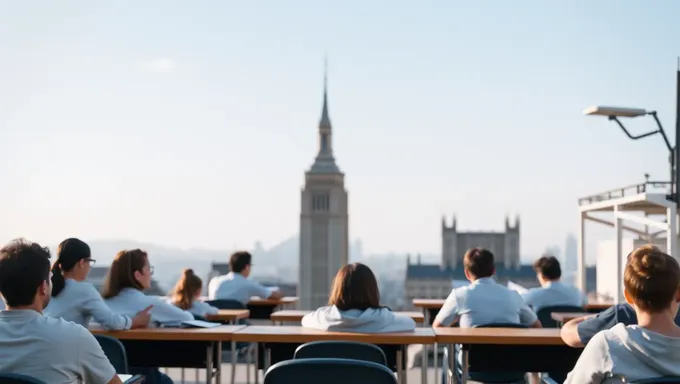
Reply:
x=325, y=119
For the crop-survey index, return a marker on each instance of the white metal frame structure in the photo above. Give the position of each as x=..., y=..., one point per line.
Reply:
x=624, y=203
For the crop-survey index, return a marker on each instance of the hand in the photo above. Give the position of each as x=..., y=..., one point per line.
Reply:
x=276, y=295
x=142, y=318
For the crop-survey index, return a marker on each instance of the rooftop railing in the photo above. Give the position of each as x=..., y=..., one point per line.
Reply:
x=630, y=190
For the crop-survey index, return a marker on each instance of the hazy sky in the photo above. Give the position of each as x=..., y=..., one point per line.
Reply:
x=190, y=123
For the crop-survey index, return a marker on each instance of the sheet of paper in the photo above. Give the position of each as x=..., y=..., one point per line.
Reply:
x=517, y=287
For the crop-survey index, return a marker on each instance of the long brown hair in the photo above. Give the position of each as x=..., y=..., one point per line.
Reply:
x=355, y=287
x=185, y=291
x=122, y=272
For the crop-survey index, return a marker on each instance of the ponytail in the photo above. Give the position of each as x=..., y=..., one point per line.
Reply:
x=58, y=281
x=185, y=291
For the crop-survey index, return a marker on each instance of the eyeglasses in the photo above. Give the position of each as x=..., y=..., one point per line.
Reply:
x=151, y=269
x=92, y=261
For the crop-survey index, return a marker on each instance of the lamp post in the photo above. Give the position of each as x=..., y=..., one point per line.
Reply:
x=615, y=113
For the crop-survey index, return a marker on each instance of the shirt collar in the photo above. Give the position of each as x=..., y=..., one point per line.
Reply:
x=485, y=280
x=18, y=314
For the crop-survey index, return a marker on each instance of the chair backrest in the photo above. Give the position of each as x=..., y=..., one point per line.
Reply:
x=328, y=371
x=14, y=378
x=482, y=355
x=226, y=304
x=341, y=350
x=545, y=312
x=115, y=352
x=659, y=380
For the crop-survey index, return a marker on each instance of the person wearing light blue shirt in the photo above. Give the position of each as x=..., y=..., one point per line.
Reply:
x=74, y=299
x=235, y=285
x=552, y=292
x=129, y=275
x=186, y=295
x=483, y=301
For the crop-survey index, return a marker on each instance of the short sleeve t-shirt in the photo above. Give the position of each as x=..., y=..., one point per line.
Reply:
x=51, y=349
x=607, y=319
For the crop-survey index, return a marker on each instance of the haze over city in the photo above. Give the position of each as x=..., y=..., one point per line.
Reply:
x=190, y=125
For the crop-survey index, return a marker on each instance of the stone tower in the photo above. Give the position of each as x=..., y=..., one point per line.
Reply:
x=324, y=224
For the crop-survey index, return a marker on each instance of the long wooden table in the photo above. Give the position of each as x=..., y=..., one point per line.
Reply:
x=213, y=337
x=299, y=335
x=296, y=315
x=540, y=350
x=563, y=317
x=229, y=315
x=432, y=306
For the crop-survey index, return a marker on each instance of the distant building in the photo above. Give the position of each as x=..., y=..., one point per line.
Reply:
x=570, y=253
x=324, y=224
x=433, y=281
x=504, y=245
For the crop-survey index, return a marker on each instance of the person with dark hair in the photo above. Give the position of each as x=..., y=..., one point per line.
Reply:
x=74, y=299
x=186, y=295
x=354, y=306
x=650, y=349
x=483, y=301
x=129, y=275
x=552, y=292
x=49, y=349
x=235, y=285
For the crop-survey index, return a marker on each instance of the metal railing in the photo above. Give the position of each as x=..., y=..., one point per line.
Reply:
x=630, y=190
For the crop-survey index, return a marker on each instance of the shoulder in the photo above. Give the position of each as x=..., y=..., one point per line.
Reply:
x=62, y=330
x=85, y=288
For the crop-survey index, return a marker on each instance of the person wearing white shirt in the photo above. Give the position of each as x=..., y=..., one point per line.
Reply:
x=74, y=299
x=129, y=275
x=235, y=285
x=355, y=306
x=552, y=292
x=650, y=349
x=186, y=295
x=49, y=349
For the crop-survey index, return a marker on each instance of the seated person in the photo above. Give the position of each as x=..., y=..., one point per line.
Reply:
x=129, y=275
x=354, y=306
x=483, y=301
x=186, y=295
x=552, y=292
x=650, y=349
x=235, y=285
x=49, y=349
x=74, y=299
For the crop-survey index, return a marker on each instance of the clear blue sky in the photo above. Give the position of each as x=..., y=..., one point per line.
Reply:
x=191, y=123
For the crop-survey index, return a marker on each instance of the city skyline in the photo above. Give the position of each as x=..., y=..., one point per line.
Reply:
x=117, y=128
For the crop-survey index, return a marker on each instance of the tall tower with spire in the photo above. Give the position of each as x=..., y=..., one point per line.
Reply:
x=324, y=223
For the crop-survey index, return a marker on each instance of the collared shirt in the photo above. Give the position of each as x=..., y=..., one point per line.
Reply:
x=485, y=302
x=130, y=301
x=80, y=302
x=234, y=286
x=51, y=349
x=554, y=293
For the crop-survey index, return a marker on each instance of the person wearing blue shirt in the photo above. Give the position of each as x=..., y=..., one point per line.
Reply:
x=552, y=292
x=578, y=332
x=236, y=285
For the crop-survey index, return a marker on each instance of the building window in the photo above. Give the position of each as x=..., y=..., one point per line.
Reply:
x=320, y=202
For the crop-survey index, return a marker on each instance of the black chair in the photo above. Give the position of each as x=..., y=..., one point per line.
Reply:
x=328, y=371
x=115, y=352
x=14, y=378
x=341, y=350
x=478, y=356
x=545, y=313
x=226, y=304
x=659, y=380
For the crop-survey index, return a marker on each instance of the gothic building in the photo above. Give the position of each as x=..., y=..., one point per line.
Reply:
x=324, y=226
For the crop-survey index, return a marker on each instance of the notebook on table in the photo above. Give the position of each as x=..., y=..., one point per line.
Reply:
x=131, y=379
x=190, y=324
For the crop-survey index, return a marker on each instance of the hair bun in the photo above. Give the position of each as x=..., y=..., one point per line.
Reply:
x=188, y=272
